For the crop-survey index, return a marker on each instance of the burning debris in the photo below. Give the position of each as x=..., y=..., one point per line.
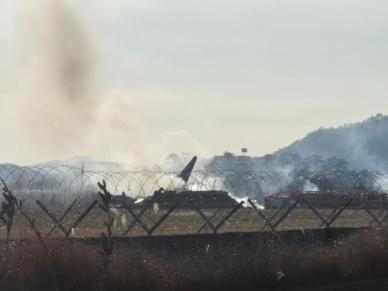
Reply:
x=165, y=198
x=202, y=199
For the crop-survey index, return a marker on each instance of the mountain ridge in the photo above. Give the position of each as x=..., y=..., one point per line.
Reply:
x=363, y=144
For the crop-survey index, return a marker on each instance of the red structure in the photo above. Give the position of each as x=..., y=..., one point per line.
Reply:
x=328, y=199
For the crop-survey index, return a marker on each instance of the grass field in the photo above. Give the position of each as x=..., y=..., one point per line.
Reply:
x=184, y=221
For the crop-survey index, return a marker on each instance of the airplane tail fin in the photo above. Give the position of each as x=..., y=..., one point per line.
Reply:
x=186, y=172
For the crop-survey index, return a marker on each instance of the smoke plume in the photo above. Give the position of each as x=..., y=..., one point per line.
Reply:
x=58, y=107
x=54, y=63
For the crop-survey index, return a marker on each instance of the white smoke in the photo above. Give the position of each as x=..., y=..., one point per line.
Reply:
x=310, y=187
x=382, y=183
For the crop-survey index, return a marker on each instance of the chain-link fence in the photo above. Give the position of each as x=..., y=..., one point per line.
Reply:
x=63, y=201
x=59, y=185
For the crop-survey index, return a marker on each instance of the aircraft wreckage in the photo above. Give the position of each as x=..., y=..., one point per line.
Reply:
x=182, y=197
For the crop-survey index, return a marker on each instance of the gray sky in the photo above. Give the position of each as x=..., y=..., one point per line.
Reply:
x=223, y=74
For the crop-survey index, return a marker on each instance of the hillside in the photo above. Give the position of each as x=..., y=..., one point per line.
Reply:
x=363, y=144
x=350, y=157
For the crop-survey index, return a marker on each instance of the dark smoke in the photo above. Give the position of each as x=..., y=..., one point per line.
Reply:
x=57, y=107
x=74, y=54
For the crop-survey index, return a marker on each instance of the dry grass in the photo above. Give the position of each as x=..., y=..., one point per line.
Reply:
x=26, y=267
x=76, y=267
x=181, y=222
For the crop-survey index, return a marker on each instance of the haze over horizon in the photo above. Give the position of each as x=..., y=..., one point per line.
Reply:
x=192, y=76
